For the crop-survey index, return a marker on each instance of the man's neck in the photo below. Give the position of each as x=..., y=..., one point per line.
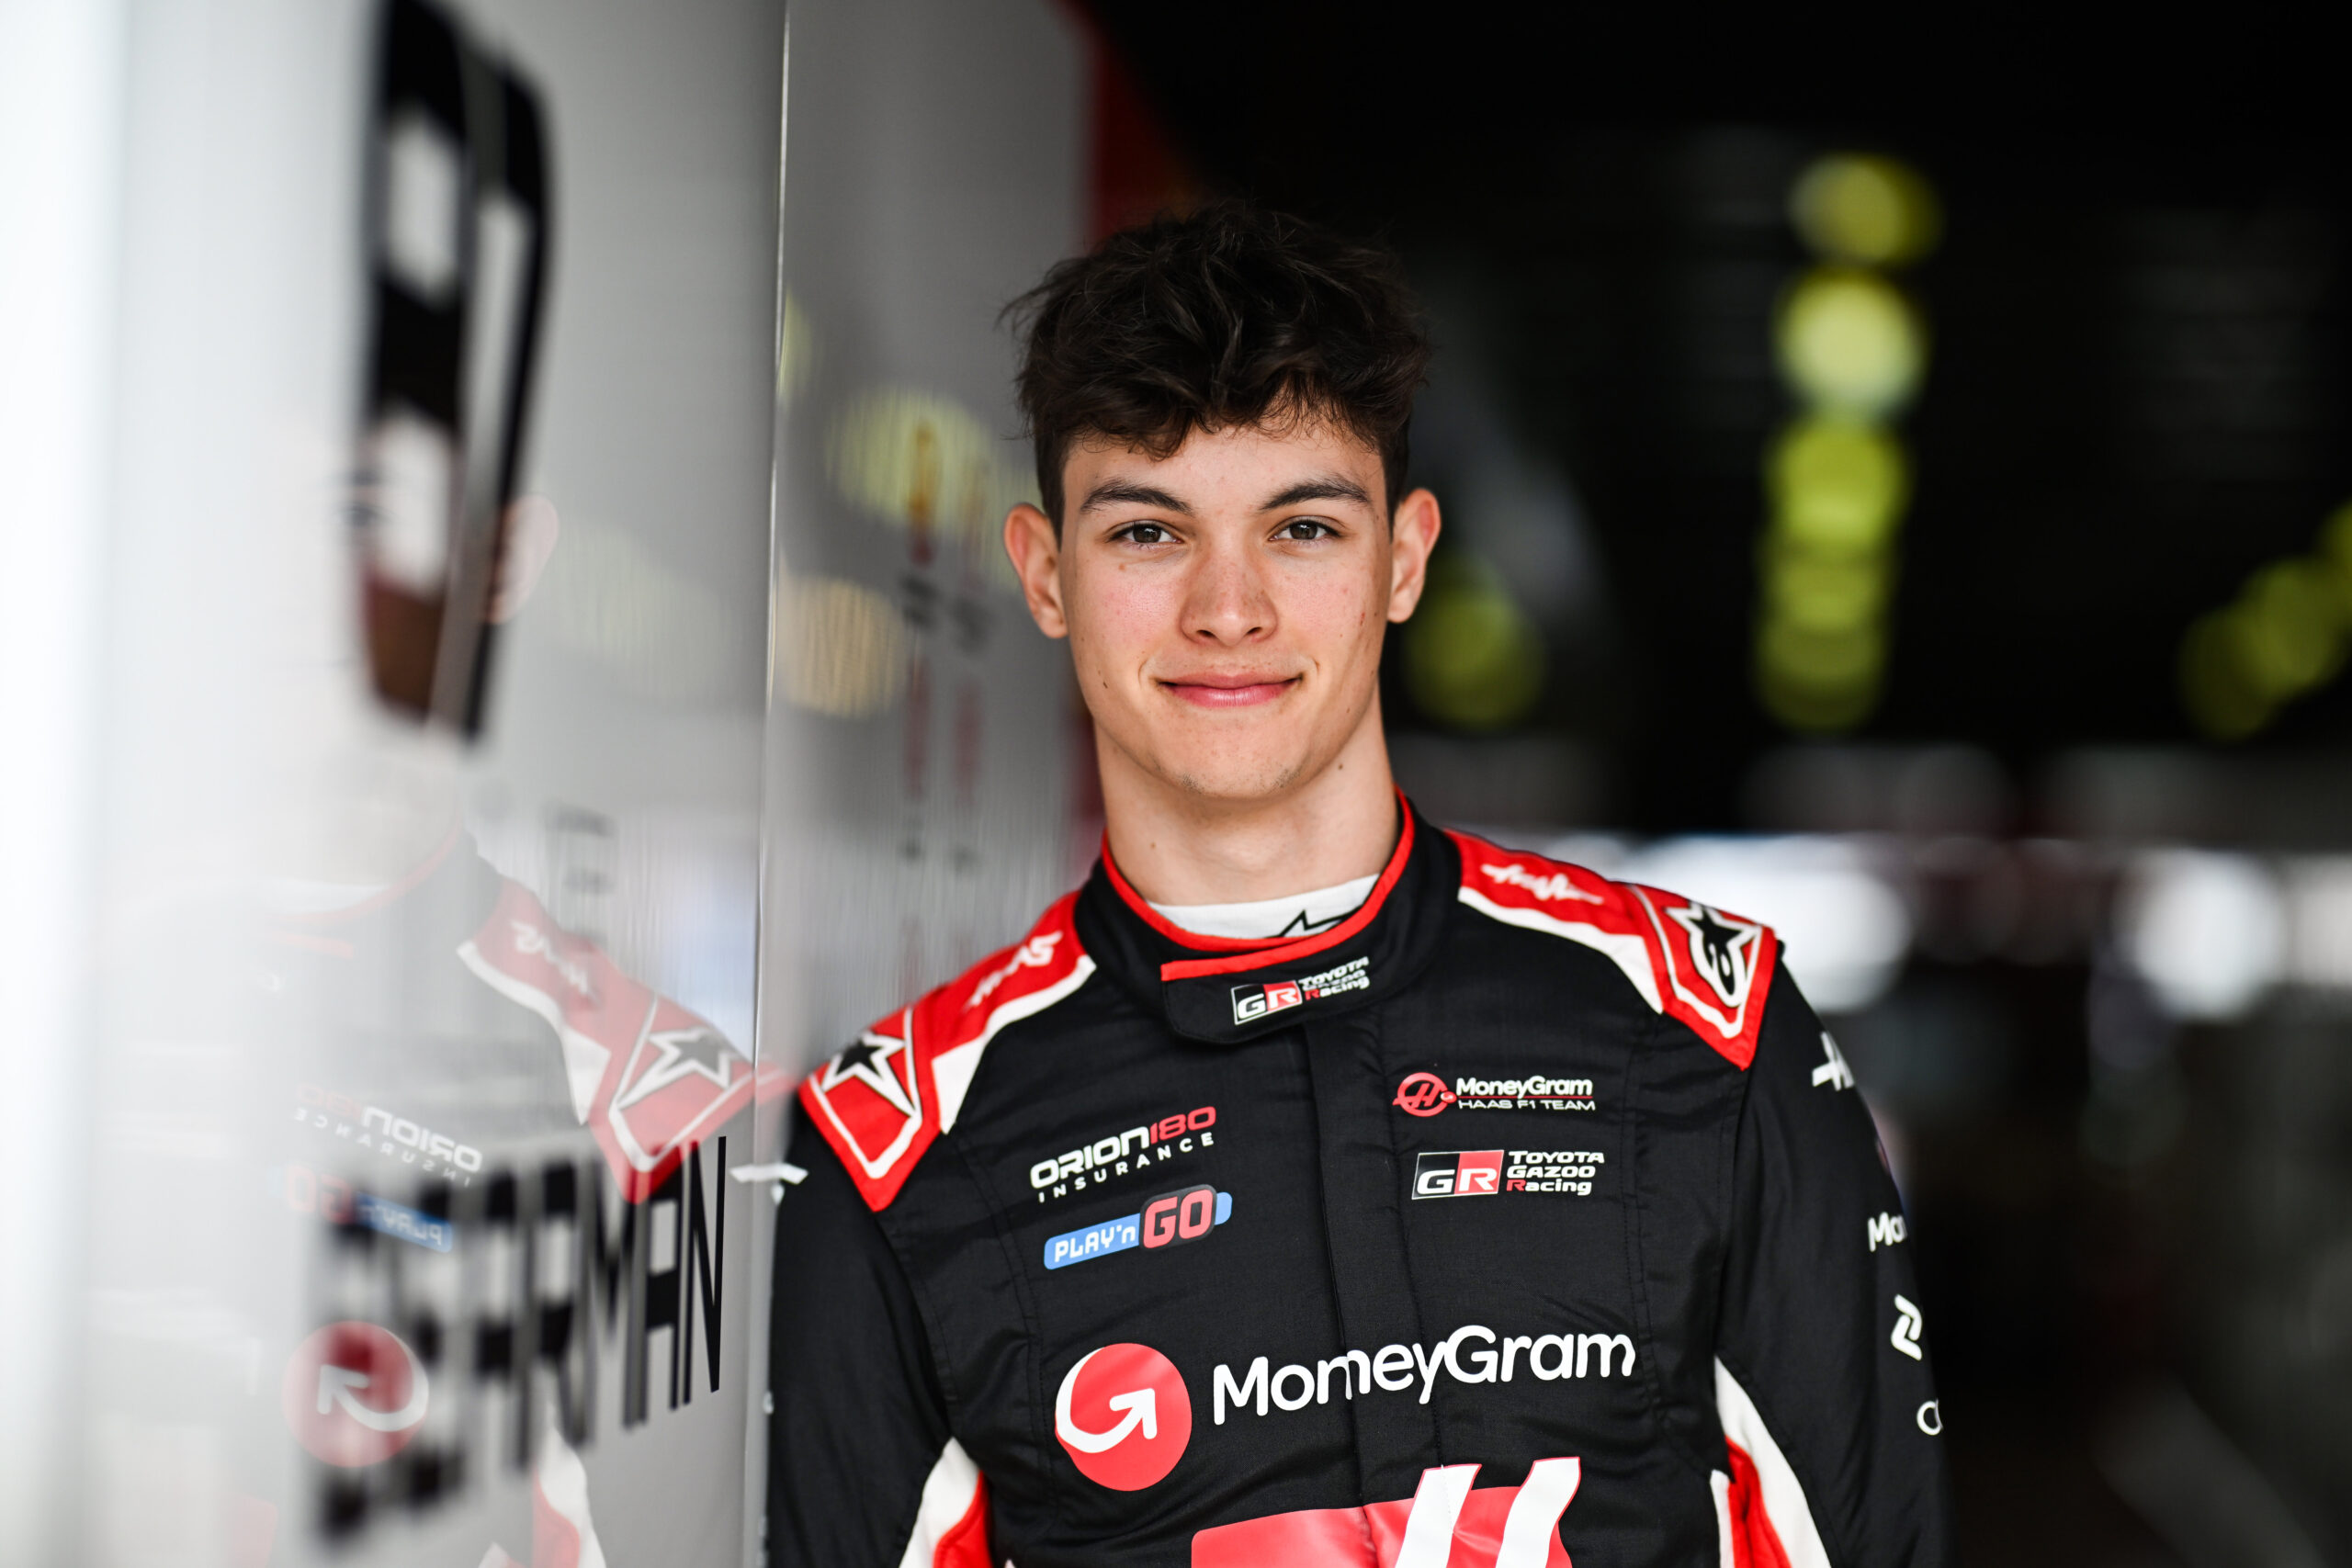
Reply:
x=1174, y=847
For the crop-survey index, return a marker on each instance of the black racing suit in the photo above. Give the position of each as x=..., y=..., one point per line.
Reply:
x=1523, y=1215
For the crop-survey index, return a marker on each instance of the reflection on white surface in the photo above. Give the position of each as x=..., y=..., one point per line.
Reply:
x=2206, y=930
x=617, y=602
x=2318, y=901
x=841, y=648
x=1845, y=927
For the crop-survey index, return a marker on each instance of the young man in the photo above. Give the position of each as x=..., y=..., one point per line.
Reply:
x=1316, y=1186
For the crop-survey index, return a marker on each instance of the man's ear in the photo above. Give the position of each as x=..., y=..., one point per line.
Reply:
x=1036, y=553
x=1412, y=535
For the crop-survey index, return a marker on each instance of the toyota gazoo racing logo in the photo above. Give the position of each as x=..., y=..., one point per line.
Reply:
x=1170, y=1220
x=1252, y=1002
x=1425, y=1094
x=354, y=1393
x=1124, y=1417
x=1485, y=1173
x=1458, y=1173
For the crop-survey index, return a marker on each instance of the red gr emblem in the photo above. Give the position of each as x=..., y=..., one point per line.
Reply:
x=1423, y=1094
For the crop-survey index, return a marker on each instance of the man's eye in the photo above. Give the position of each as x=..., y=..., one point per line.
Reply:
x=1144, y=534
x=1301, y=528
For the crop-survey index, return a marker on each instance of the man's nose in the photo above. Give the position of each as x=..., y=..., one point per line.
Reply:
x=1228, y=602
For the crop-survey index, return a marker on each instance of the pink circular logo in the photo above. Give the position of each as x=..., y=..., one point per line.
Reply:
x=354, y=1393
x=1423, y=1094
x=1124, y=1417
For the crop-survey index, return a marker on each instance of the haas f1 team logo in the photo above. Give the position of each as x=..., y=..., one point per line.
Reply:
x=1423, y=1094
x=1124, y=1417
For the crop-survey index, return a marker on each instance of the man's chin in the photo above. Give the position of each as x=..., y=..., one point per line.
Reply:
x=1230, y=781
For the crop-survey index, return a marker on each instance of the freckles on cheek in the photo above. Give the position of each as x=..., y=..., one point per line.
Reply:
x=1126, y=607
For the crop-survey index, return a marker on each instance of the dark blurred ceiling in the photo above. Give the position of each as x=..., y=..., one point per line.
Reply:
x=2137, y=394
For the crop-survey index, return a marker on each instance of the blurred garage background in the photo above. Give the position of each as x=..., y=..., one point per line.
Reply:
x=1896, y=487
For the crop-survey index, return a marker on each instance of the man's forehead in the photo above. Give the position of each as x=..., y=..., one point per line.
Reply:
x=1248, y=465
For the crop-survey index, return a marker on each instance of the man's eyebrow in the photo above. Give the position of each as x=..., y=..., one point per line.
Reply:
x=1122, y=492
x=1330, y=486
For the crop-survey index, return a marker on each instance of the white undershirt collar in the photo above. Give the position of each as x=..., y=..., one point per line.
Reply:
x=1300, y=914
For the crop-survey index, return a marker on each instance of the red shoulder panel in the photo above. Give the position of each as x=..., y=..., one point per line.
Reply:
x=882, y=1101
x=648, y=1078
x=1709, y=968
x=1516, y=879
x=1714, y=969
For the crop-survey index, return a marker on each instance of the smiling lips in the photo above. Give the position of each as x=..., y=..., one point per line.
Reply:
x=1245, y=690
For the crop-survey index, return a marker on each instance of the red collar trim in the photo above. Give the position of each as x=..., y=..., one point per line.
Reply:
x=1242, y=954
x=1141, y=909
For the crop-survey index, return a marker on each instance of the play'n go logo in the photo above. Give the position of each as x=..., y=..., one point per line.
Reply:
x=1124, y=1417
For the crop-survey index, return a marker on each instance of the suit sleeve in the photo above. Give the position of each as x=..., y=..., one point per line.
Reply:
x=1821, y=1378
x=862, y=1472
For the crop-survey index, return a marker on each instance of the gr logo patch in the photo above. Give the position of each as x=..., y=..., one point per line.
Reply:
x=1256, y=1002
x=1458, y=1173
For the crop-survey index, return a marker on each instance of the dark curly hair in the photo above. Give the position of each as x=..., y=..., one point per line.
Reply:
x=1229, y=317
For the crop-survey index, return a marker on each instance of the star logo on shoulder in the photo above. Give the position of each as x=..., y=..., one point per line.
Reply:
x=697, y=1052
x=1722, y=948
x=871, y=1062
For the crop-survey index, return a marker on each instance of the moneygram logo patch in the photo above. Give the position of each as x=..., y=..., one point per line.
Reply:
x=1458, y=1173
x=1170, y=1220
x=1253, y=1002
x=1425, y=1094
x=354, y=1393
x=1124, y=1417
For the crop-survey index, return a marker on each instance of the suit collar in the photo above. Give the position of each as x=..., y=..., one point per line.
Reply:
x=1223, y=990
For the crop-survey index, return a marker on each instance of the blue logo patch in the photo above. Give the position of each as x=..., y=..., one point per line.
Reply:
x=407, y=1224
x=1169, y=1219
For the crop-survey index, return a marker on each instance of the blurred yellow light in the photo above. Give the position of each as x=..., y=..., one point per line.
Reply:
x=1471, y=659
x=2335, y=548
x=1850, y=343
x=1874, y=211
x=2290, y=626
x=2215, y=686
x=841, y=650
x=1817, y=592
x=915, y=458
x=1837, y=483
x=796, y=353
x=1815, y=681
x=1842, y=657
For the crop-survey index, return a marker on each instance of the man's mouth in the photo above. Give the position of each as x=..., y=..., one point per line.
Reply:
x=1239, y=691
